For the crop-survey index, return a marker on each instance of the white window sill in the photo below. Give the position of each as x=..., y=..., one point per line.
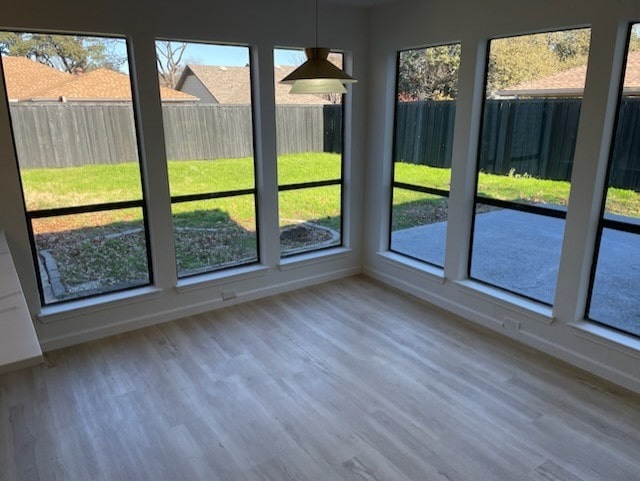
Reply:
x=518, y=305
x=604, y=336
x=82, y=307
x=211, y=279
x=316, y=257
x=432, y=273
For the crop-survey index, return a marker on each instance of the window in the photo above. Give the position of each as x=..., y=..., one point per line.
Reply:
x=426, y=91
x=534, y=87
x=208, y=126
x=309, y=131
x=74, y=131
x=616, y=272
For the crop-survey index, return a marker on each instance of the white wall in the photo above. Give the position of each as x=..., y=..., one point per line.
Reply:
x=373, y=37
x=262, y=26
x=561, y=330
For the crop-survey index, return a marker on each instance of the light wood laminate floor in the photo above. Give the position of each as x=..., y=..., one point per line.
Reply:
x=348, y=380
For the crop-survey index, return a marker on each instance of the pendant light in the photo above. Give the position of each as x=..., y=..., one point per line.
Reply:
x=317, y=75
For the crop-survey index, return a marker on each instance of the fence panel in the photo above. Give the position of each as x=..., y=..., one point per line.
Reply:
x=299, y=129
x=61, y=135
x=332, y=125
x=532, y=136
x=73, y=134
x=424, y=132
x=199, y=132
x=625, y=164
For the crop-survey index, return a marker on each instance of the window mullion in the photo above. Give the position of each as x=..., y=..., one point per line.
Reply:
x=266, y=153
x=463, y=159
x=152, y=158
x=597, y=118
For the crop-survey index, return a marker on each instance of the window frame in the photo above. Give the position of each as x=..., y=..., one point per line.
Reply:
x=319, y=183
x=603, y=221
x=224, y=194
x=141, y=203
x=505, y=204
x=403, y=185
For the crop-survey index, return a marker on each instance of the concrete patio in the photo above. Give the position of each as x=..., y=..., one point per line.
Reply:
x=520, y=252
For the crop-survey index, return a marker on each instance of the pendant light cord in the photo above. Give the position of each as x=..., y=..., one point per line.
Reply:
x=316, y=23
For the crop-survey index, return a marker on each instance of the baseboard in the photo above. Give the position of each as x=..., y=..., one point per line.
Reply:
x=90, y=334
x=14, y=366
x=438, y=301
x=573, y=357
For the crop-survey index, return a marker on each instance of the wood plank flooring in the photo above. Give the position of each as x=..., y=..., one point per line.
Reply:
x=348, y=380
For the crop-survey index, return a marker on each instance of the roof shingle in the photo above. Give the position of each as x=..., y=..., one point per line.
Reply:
x=29, y=80
x=231, y=85
x=24, y=77
x=103, y=84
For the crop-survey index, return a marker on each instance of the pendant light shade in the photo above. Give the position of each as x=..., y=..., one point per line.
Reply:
x=317, y=75
x=318, y=86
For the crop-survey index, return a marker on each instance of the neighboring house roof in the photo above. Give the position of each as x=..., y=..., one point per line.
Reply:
x=570, y=83
x=24, y=77
x=29, y=80
x=231, y=85
x=104, y=85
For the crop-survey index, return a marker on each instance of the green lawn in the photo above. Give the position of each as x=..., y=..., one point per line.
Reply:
x=49, y=188
x=98, y=250
x=229, y=224
x=515, y=188
x=92, y=184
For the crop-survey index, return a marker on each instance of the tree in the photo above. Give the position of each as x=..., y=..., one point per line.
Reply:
x=634, y=39
x=64, y=52
x=429, y=73
x=432, y=73
x=570, y=46
x=170, y=66
x=520, y=59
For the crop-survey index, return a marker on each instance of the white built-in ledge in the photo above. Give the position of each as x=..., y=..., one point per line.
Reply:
x=511, y=302
x=19, y=346
x=313, y=257
x=428, y=271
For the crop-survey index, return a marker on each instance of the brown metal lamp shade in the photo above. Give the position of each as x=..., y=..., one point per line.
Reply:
x=318, y=75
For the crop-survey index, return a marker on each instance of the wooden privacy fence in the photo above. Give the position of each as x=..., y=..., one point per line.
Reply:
x=536, y=137
x=625, y=171
x=533, y=136
x=66, y=135
x=74, y=134
x=424, y=132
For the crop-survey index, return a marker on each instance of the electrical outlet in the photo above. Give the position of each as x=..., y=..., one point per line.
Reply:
x=228, y=294
x=511, y=324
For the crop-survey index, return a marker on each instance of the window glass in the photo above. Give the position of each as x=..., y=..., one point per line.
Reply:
x=215, y=232
x=309, y=136
x=73, y=126
x=308, y=218
x=616, y=277
x=534, y=88
x=208, y=125
x=427, y=88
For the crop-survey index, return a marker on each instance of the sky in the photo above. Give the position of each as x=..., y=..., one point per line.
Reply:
x=224, y=55
x=232, y=56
